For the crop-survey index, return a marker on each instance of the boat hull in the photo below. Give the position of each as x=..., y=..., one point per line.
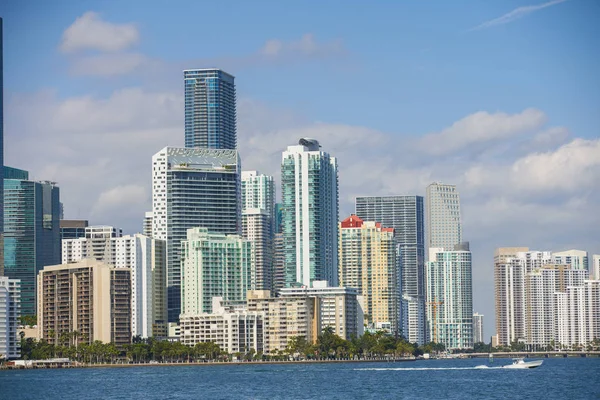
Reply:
x=525, y=365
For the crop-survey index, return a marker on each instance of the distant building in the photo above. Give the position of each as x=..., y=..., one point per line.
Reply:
x=577, y=315
x=542, y=287
x=233, y=329
x=405, y=214
x=340, y=307
x=278, y=263
x=478, y=328
x=309, y=191
x=72, y=228
x=147, y=227
x=285, y=317
x=577, y=259
x=278, y=217
x=145, y=257
x=214, y=265
x=10, y=311
x=258, y=223
x=450, y=297
x=31, y=231
x=192, y=187
x=210, y=115
x=595, y=272
x=368, y=261
x=442, y=206
x=89, y=297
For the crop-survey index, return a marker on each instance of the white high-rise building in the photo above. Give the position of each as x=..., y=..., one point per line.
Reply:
x=147, y=227
x=10, y=311
x=478, y=328
x=143, y=256
x=511, y=265
x=595, y=272
x=443, y=218
x=450, y=297
x=541, y=287
x=309, y=190
x=192, y=187
x=577, y=259
x=258, y=223
x=578, y=315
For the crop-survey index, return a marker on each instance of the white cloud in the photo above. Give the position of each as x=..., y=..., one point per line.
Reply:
x=306, y=46
x=121, y=198
x=515, y=14
x=108, y=64
x=90, y=32
x=481, y=127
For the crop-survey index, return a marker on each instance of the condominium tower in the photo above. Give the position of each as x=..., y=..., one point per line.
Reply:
x=144, y=257
x=442, y=208
x=405, y=215
x=595, y=271
x=10, y=311
x=31, y=231
x=210, y=116
x=309, y=189
x=478, y=328
x=192, y=188
x=89, y=297
x=214, y=265
x=450, y=297
x=258, y=223
x=368, y=262
x=577, y=259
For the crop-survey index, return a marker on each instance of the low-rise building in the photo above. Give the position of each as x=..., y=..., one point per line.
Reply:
x=340, y=307
x=234, y=329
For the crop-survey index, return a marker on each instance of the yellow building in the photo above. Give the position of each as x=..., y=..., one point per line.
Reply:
x=88, y=297
x=368, y=262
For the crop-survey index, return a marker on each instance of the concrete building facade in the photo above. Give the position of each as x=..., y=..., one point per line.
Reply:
x=442, y=207
x=478, y=328
x=10, y=311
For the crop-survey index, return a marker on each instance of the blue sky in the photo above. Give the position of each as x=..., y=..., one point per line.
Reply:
x=500, y=97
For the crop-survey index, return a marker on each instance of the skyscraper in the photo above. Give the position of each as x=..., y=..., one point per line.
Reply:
x=192, y=188
x=1, y=153
x=309, y=189
x=368, y=262
x=258, y=223
x=595, y=271
x=450, y=297
x=10, y=311
x=214, y=265
x=478, y=328
x=72, y=228
x=31, y=232
x=577, y=259
x=405, y=215
x=442, y=206
x=210, y=116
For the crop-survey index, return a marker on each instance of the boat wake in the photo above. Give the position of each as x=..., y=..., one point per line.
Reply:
x=426, y=369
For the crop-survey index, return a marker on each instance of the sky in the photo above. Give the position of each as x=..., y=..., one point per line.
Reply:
x=500, y=97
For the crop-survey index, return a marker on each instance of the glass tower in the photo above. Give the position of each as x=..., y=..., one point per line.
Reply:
x=1, y=154
x=309, y=189
x=192, y=188
x=32, y=233
x=444, y=227
x=210, y=117
x=406, y=215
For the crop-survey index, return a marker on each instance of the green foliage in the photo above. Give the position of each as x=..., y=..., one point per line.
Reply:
x=28, y=320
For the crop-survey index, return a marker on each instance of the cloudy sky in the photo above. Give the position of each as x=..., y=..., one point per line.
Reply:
x=501, y=98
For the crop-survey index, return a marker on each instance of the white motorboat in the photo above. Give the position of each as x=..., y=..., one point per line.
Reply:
x=520, y=363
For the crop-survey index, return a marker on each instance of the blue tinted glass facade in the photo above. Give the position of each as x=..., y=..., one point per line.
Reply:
x=32, y=238
x=210, y=114
x=1, y=151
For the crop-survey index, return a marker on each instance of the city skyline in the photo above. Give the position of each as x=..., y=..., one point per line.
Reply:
x=108, y=182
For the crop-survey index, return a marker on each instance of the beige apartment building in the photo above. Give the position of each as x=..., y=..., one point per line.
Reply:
x=368, y=262
x=285, y=318
x=88, y=297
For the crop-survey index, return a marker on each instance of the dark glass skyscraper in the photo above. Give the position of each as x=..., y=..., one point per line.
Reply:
x=1, y=155
x=210, y=117
x=31, y=233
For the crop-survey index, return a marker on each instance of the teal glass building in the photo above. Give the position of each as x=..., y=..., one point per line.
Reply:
x=31, y=231
x=210, y=116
